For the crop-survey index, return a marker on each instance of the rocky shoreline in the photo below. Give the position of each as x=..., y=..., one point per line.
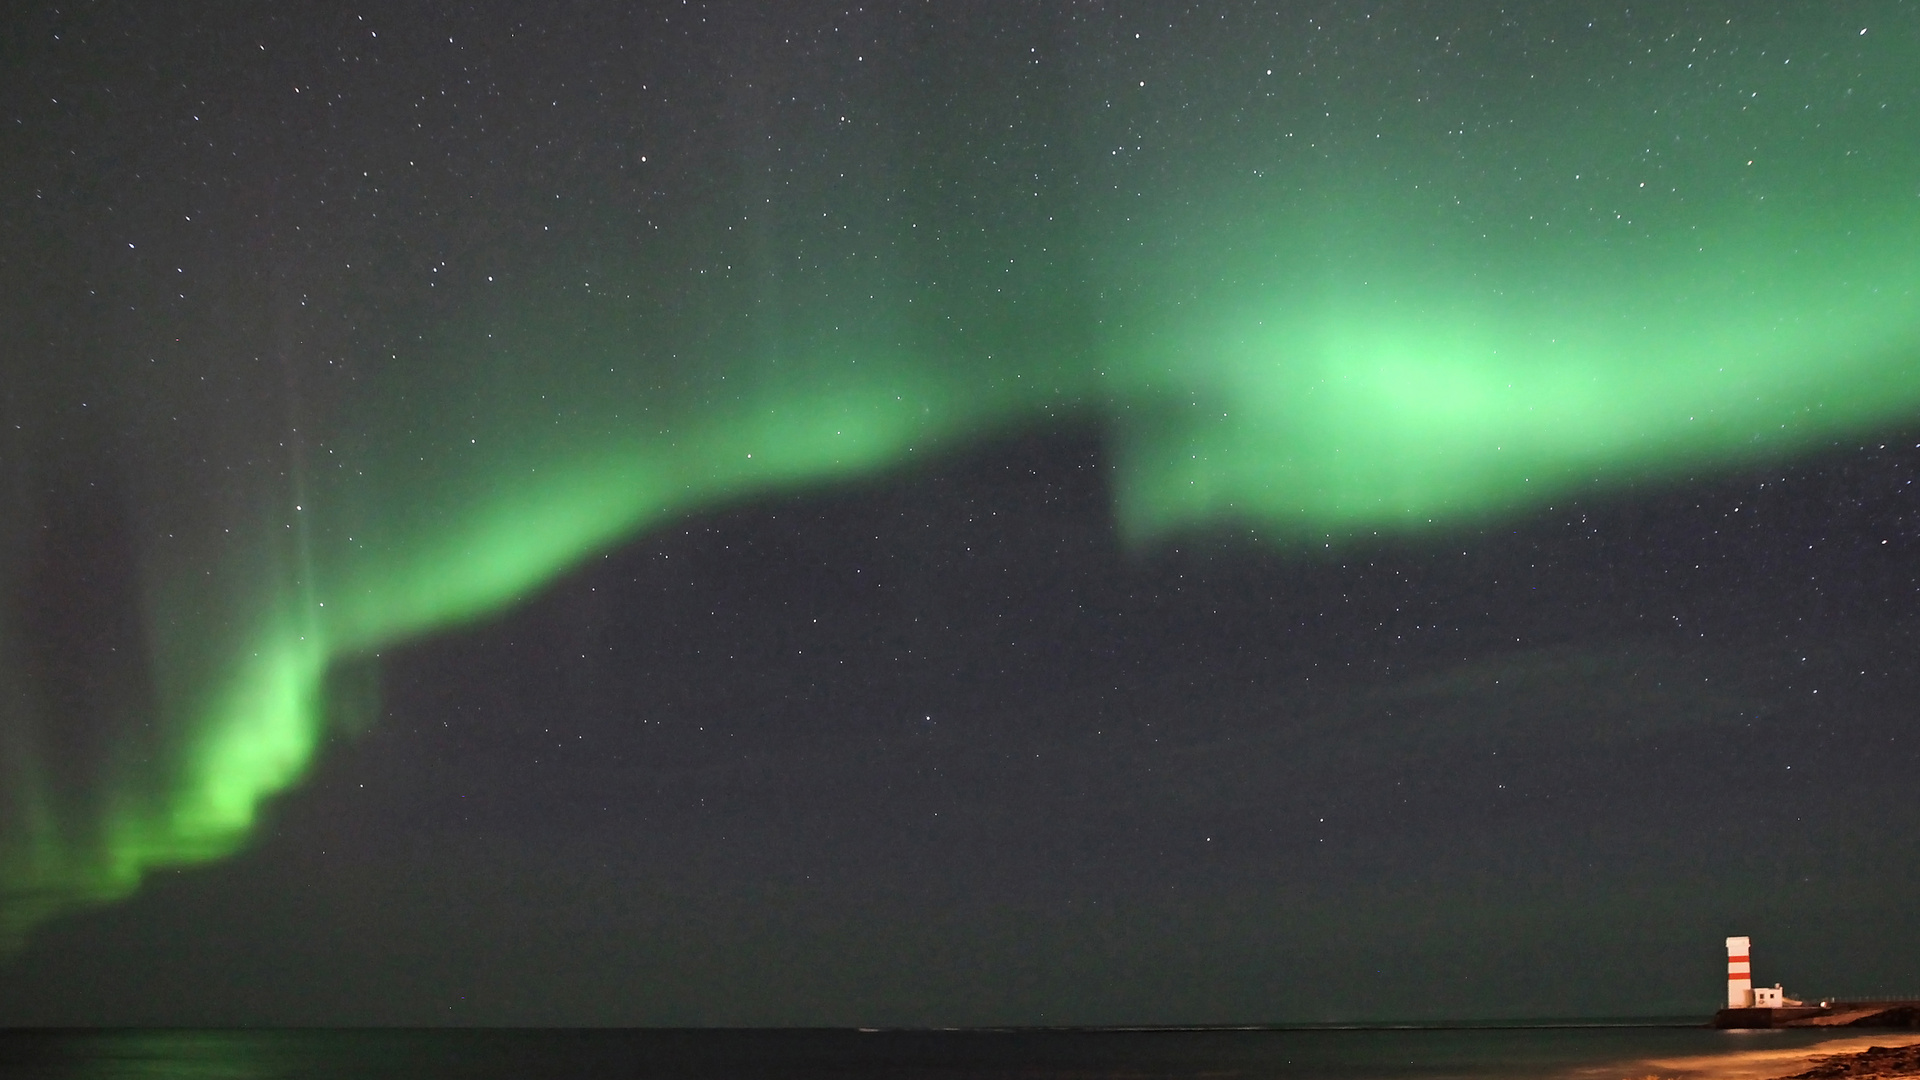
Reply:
x=1873, y=1063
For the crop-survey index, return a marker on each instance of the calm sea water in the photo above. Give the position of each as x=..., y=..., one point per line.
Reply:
x=1595, y=1053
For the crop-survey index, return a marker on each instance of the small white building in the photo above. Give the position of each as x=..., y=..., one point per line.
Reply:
x=1769, y=997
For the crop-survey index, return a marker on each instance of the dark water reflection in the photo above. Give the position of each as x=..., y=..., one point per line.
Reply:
x=698, y=1055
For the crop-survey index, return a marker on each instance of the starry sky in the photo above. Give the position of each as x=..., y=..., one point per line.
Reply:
x=974, y=513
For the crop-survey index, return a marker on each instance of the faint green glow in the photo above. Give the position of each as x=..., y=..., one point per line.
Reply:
x=1404, y=339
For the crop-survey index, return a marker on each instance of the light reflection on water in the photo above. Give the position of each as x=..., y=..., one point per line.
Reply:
x=166, y=1055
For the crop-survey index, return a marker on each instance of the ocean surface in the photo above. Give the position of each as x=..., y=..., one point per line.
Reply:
x=1575, y=1053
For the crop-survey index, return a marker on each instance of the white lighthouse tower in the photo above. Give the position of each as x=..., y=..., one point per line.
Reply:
x=1739, y=973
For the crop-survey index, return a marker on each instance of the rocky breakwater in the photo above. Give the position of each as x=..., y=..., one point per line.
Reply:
x=1874, y=1014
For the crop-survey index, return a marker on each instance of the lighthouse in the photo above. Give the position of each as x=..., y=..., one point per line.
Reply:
x=1739, y=974
x=1750, y=1006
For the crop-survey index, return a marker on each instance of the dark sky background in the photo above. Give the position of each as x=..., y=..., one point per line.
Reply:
x=933, y=747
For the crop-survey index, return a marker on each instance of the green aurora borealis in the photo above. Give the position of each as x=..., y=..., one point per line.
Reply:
x=1401, y=312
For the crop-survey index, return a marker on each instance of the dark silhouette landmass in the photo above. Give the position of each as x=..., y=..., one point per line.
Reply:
x=1882, y=1014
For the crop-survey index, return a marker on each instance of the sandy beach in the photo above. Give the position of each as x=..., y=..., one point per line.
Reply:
x=1848, y=1058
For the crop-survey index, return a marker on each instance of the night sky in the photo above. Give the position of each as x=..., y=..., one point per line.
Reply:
x=960, y=513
